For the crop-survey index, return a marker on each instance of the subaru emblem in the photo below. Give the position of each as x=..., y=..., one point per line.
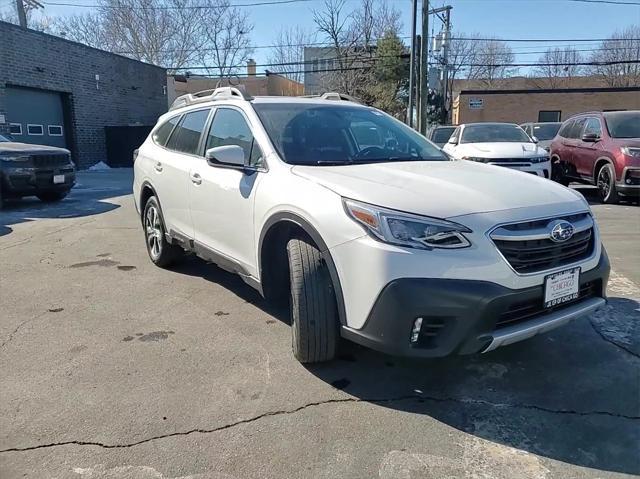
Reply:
x=561, y=231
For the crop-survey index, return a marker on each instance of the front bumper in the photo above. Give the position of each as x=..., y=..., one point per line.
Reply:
x=539, y=169
x=468, y=316
x=31, y=180
x=630, y=182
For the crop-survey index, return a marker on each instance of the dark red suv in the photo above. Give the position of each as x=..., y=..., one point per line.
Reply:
x=601, y=149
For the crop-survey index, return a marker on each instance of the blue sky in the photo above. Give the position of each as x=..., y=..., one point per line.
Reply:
x=502, y=18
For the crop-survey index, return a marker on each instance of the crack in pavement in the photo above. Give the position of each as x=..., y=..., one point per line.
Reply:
x=610, y=341
x=15, y=331
x=320, y=403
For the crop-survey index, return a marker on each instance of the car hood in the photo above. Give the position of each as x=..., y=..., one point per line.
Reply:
x=499, y=150
x=8, y=148
x=438, y=188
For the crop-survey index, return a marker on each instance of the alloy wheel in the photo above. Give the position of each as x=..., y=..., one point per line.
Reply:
x=153, y=230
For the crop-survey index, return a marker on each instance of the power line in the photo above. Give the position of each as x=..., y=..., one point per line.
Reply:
x=374, y=59
x=545, y=40
x=611, y=2
x=168, y=7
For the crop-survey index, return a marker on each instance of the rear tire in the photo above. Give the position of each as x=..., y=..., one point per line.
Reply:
x=161, y=252
x=52, y=196
x=606, y=183
x=314, y=312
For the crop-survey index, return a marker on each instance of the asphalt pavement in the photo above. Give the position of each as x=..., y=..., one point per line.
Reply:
x=113, y=368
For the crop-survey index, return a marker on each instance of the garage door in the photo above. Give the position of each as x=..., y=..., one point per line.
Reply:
x=36, y=116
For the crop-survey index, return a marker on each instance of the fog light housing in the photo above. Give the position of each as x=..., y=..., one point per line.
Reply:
x=415, y=331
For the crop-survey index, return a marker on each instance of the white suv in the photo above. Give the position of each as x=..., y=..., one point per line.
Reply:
x=499, y=144
x=367, y=228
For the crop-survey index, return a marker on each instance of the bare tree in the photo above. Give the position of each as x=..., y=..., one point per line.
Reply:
x=35, y=20
x=334, y=25
x=623, y=46
x=353, y=38
x=491, y=60
x=289, y=51
x=462, y=52
x=557, y=66
x=169, y=33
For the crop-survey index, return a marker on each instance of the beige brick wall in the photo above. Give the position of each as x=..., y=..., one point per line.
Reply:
x=524, y=107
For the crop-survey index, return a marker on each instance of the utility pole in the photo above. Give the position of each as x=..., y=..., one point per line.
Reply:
x=445, y=58
x=412, y=64
x=424, y=69
x=22, y=16
x=418, y=75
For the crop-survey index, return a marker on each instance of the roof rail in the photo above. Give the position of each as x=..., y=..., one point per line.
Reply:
x=333, y=96
x=224, y=92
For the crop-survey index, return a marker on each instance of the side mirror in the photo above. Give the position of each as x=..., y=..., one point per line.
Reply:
x=228, y=155
x=534, y=139
x=590, y=137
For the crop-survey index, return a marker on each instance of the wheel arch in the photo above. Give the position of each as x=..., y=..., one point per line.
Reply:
x=276, y=231
x=598, y=164
x=147, y=191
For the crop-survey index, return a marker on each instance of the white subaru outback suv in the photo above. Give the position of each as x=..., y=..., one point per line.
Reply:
x=366, y=228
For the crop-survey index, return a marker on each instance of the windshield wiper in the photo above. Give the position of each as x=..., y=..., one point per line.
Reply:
x=333, y=162
x=397, y=158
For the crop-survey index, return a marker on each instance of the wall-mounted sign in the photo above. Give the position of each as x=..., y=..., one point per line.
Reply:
x=2, y=119
x=475, y=104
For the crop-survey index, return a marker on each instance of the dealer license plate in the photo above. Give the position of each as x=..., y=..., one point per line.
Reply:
x=561, y=287
x=57, y=179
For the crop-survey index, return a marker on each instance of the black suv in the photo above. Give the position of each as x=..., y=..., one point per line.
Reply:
x=34, y=170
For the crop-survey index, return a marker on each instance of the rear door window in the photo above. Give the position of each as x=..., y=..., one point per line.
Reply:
x=186, y=136
x=565, y=129
x=576, y=128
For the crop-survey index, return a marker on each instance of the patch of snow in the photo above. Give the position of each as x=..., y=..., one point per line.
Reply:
x=100, y=166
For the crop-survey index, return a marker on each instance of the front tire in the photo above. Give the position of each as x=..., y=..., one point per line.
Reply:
x=52, y=196
x=161, y=253
x=606, y=183
x=314, y=312
x=557, y=173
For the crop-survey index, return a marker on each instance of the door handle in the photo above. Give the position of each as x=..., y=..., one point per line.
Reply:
x=158, y=167
x=196, y=179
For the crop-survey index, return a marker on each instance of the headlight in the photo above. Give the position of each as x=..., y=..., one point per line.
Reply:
x=478, y=159
x=14, y=158
x=405, y=229
x=539, y=159
x=631, y=151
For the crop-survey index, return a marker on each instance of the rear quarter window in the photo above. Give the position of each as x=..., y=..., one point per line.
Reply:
x=161, y=133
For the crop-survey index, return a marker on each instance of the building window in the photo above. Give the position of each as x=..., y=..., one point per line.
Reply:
x=35, y=130
x=548, y=115
x=55, y=130
x=15, y=128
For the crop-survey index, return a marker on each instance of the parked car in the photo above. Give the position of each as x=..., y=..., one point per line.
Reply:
x=601, y=149
x=544, y=133
x=500, y=144
x=34, y=170
x=440, y=134
x=395, y=247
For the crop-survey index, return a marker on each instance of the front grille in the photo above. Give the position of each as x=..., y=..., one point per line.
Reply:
x=49, y=161
x=540, y=254
x=525, y=310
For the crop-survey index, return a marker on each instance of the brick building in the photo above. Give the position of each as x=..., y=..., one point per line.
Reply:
x=270, y=84
x=525, y=99
x=62, y=93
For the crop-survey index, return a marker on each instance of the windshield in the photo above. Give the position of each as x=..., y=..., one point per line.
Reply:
x=442, y=135
x=494, y=133
x=315, y=134
x=546, y=131
x=5, y=138
x=623, y=124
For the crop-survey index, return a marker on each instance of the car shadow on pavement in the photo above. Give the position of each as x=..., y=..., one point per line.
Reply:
x=570, y=395
x=591, y=195
x=83, y=200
